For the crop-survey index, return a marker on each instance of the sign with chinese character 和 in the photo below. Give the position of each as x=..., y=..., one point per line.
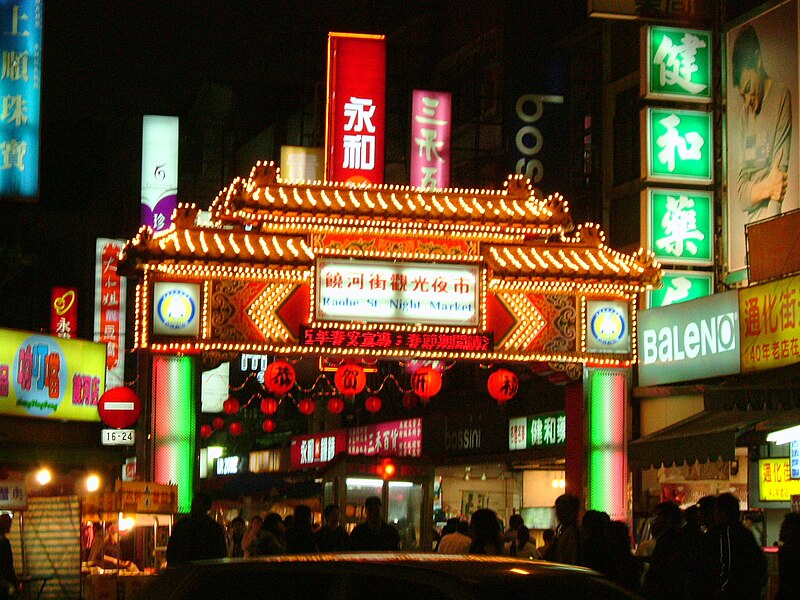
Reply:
x=390, y=292
x=313, y=450
x=109, y=308
x=20, y=86
x=394, y=438
x=680, y=286
x=678, y=64
x=354, y=137
x=430, y=139
x=159, y=170
x=537, y=431
x=64, y=312
x=775, y=483
x=769, y=324
x=679, y=146
x=680, y=226
x=13, y=495
x=44, y=376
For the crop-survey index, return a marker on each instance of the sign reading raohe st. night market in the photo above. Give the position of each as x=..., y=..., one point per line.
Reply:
x=679, y=146
x=537, y=431
x=678, y=64
x=680, y=226
x=20, y=87
x=44, y=376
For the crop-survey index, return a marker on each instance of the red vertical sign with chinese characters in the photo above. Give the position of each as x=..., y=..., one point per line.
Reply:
x=430, y=139
x=355, y=129
x=109, y=309
x=64, y=312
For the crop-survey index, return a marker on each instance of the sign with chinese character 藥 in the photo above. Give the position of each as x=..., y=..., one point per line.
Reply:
x=159, y=170
x=794, y=458
x=769, y=324
x=680, y=286
x=607, y=327
x=354, y=137
x=775, y=483
x=314, y=450
x=391, y=292
x=64, y=312
x=430, y=139
x=44, y=376
x=680, y=226
x=678, y=64
x=679, y=146
x=394, y=438
x=537, y=431
x=176, y=308
x=13, y=495
x=109, y=308
x=20, y=86
x=693, y=340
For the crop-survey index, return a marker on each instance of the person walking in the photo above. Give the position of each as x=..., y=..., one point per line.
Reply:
x=567, y=541
x=375, y=533
x=9, y=584
x=487, y=534
x=663, y=580
x=457, y=541
x=743, y=568
x=197, y=536
x=789, y=558
x=300, y=536
x=331, y=537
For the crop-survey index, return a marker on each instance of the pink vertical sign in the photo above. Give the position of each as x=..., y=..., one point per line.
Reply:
x=430, y=139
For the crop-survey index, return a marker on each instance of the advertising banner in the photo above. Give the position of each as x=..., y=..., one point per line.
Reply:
x=680, y=226
x=679, y=146
x=430, y=139
x=20, y=87
x=772, y=247
x=110, y=293
x=314, y=450
x=354, y=136
x=537, y=431
x=159, y=170
x=678, y=64
x=762, y=93
x=302, y=164
x=394, y=438
x=44, y=376
x=64, y=312
x=680, y=286
x=770, y=326
x=775, y=483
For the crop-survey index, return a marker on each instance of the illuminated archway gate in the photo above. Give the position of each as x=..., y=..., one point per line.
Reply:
x=312, y=268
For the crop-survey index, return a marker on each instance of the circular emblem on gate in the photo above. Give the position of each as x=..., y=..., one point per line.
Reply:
x=608, y=325
x=176, y=309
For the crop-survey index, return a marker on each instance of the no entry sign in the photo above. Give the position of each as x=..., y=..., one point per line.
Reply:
x=119, y=407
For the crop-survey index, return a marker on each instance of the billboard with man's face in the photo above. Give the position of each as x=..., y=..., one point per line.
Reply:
x=762, y=147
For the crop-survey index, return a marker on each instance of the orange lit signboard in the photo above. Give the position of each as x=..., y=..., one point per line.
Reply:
x=774, y=480
x=770, y=324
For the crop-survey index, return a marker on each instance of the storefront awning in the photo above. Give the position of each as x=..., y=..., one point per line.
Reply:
x=772, y=389
x=710, y=435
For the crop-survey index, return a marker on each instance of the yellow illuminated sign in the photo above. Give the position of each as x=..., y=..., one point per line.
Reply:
x=774, y=482
x=770, y=324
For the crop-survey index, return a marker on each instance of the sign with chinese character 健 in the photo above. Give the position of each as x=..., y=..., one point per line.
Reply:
x=775, y=483
x=537, y=431
x=20, y=86
x=689, y=341
x=13, y=495
x=302, y=164
x=769, y=324
x=607, y=327
x=678, y=64
x=680, y=226
x=314, y=450
x=680, y=286
x=679, y=146
x=109, y=308
x=390, y=292
x=430, y=139
x=354, y=137
x=44, y=376
x=394, y=438
x=159, y=170
x=176, y=308
x=64, y=312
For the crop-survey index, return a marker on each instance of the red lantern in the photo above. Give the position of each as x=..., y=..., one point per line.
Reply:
x=268, y=425
x=503, y=385
x=350, y=379
x=306, y=406
x=206, y=431
x=279, y=377
x=230, y=406
x=218, y=423
x=426, y=383
x=410, y=400
x=373, y=404
x=235, y=428
x=269, y=406
x=335, y=405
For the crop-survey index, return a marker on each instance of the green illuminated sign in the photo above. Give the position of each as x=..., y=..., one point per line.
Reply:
x=680, y=226
x=537, y=431
x=679, y=146
x=680, y=286
x=678, y=64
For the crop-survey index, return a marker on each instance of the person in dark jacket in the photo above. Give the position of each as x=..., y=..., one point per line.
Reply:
x=8, y=576
x=375, y=533
x=300, y=536
x=789, y=558
x=331, y=537
x=197, y=536
x=743, y=568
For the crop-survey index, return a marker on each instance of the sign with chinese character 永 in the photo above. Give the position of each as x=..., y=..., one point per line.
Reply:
x=680, y=286
x=679, y=146
x=159, y=170
x=394, y=438
x=390, y=292
x=430, y=139
x=109, y=308
x=607, y=328
x=316, y=449
x=64, y=312
x=678, y=64
x=20, y=86
x=354, y=137
x=680, y=226
x=769, y=324
x=44, y=376
x=537, y=431
x=775, y=483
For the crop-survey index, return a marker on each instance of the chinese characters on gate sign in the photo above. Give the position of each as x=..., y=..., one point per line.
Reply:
x=359, y=144
x=676, y=62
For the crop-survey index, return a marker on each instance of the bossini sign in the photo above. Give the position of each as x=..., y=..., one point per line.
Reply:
x=692, y=340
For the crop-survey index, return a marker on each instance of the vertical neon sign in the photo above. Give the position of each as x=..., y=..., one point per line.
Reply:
x=430, y=139
x=159, y=170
